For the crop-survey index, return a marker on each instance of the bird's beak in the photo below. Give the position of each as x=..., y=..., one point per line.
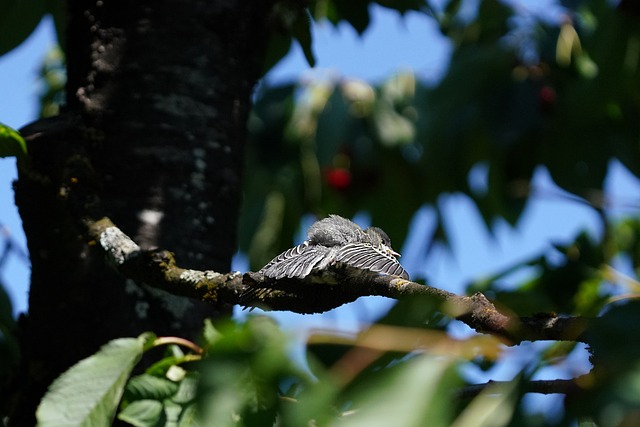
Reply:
x=392, y=252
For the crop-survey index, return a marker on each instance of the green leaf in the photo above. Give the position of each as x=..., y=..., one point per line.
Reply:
x=87, y=394
x=302, y=32
x=11, y=143
x=615, y=339
x=241, y=375
x=149, y=387
x=288, y=19
x=493, y=407
x=356, y=12
x=392, y=128
x=277, y=47
x=189, y=417
x=143, y=413
x=315, y=404
x=413, y=394
x=210, y=334
x=187, y=390
x=332, y=127
x=58, y=11
x=18, y=19
x=402, y=6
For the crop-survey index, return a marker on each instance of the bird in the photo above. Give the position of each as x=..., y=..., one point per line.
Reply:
x=336, y=242
x=334, y=245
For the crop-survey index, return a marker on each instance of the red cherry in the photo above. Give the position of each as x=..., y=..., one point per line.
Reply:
x=547, y=97
x=338, y=178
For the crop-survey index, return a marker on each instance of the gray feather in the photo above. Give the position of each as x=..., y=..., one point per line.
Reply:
x=295, y=262
x=336, y=240
x=334, y=231
x=367, y=257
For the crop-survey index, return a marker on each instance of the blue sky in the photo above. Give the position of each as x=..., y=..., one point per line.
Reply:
x=390, y=45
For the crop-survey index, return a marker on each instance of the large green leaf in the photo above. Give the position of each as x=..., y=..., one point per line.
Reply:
x=412, y=394
x=242, y=374
x=493, y=407
x=87, y=394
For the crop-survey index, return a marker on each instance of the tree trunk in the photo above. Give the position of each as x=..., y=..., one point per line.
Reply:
x=158, y=95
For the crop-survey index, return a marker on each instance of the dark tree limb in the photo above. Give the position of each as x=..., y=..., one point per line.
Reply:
x=158, y=268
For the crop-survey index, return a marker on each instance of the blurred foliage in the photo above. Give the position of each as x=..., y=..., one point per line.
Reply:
x=87, y=392
x=9, y=346
x=246, y=376
x=53, y=77
x=9, y=349
x=343, y=146
x=517, y=97
x=404, y=375
x=19, y=18
x=564, y=96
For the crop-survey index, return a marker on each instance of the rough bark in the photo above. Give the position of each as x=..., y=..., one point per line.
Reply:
x=158, y=95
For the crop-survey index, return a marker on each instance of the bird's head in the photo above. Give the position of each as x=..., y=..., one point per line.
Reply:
x=380, y=239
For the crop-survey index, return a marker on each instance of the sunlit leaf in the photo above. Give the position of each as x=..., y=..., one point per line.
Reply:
x=11, y=143
x=493, y=407
x=87, y=394
x=142, y=413
x=396, y=398
x=149, y=387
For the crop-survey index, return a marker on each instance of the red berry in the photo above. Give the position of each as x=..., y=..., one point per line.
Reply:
x=547, y=97
x=338, y=178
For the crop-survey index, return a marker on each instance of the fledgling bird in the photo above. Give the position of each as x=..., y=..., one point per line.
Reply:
x=335, y=246
x=336, y=242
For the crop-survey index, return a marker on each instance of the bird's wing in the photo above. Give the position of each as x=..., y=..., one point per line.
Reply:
x=367, y=257
x=295, y=262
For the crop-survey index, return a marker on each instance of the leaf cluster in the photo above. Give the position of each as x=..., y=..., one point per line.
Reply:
x=338, y=145
x=247, y=376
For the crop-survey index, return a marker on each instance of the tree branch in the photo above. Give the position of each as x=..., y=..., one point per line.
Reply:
x=158, y=268
x=476, y=310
